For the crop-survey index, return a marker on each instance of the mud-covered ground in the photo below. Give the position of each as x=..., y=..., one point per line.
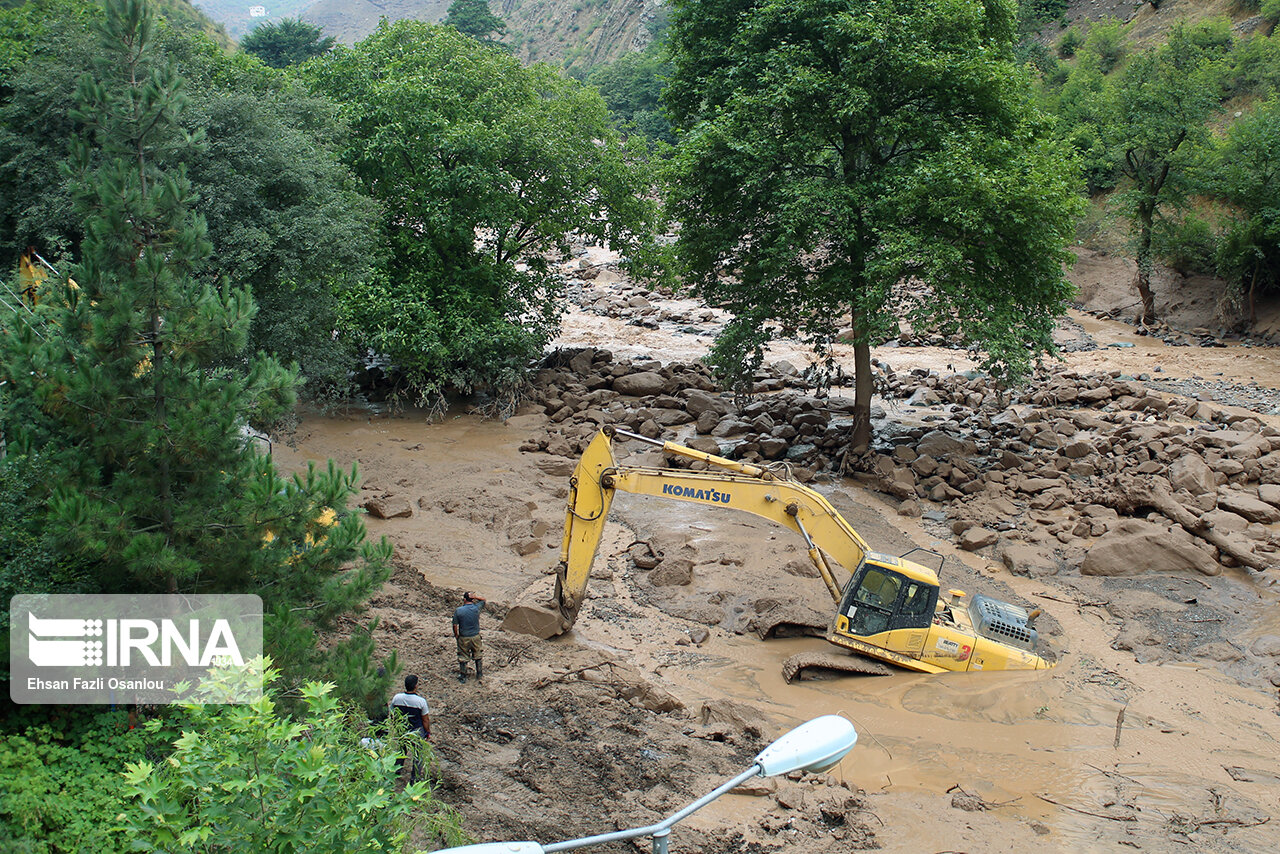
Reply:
x=1157, y=731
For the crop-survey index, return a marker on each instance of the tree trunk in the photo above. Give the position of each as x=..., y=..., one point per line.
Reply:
x=860, y=438
x=1144, y=272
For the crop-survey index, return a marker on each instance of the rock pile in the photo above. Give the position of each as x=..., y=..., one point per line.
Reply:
x=1090, y=470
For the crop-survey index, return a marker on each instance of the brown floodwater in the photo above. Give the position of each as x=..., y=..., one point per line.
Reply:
x=1044, y=749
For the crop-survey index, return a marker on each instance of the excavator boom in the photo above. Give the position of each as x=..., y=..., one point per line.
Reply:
x=737, y=486
x=888, y=610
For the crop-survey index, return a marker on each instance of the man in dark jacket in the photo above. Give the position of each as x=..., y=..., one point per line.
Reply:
x=466, y=630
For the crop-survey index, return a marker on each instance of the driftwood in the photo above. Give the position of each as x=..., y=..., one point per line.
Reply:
x=1137, y=492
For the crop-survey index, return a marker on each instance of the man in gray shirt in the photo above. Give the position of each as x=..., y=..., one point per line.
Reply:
x=412, y=706
x=466, y=630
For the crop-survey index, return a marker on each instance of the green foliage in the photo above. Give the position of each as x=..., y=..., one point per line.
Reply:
x=1039, y=12
x=1254, y=67
x=247, y=778
x=632, y=88
x=31, y=558
x=831, y=150
x=481, y=165
x=135, y=388
x=26, y=26
x=61, y=783
x=1187, y=245
x=1069, y=43
x=473, y=18
x=1244, y=173
x=292, y=41
x=284, y=216
x=1155, y=125
x=1270, y=10
x=1107, y=43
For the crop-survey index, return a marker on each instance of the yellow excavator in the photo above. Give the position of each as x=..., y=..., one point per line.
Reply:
x=888, y=611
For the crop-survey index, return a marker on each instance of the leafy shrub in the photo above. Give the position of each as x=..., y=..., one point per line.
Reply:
x=247, y=778
x=61, y=784
x=1069, y=43
x=1106, y=41
x=1188, y=246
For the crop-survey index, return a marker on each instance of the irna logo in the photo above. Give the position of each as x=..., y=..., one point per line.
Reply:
x=126, y=642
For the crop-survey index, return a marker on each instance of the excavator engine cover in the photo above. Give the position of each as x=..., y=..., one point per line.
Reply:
x=1002, y=622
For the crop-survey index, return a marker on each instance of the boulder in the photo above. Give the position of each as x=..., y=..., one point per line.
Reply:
x=1191, y=473
x=640, y=384
x=388, y=508
x=1270, y=493
x=977, y=537
x=698, y=402
x=1133, y=546
x=1253, y=509
x=941, y=446
x=672, y=572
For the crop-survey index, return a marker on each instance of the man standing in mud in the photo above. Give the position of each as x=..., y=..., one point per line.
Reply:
x=466, y=630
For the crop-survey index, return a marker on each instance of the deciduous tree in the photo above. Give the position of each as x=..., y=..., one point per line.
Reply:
x=1245, y=173
x=872, y=160
x=475, y=19
x=1155, y=125
x=485, y=170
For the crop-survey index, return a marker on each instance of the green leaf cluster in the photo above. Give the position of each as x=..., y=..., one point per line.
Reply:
x=61, y=786
x=248, y=778
x=485, y=169
x=290, y=42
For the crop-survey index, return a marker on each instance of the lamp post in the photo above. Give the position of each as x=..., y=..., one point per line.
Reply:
x=817, y=745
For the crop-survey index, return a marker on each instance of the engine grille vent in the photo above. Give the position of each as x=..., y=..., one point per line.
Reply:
x=1002, y=622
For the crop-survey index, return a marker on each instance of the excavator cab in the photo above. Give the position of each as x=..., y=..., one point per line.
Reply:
x=883, y=598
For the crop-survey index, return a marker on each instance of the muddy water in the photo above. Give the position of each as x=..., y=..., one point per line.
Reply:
x=1045, y=747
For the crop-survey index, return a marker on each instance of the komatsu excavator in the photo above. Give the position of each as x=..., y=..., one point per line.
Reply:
x=888, y=611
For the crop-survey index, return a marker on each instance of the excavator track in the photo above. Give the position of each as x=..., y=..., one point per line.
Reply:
x=795, y=666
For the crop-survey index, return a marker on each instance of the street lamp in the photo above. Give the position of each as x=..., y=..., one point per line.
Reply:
x=816, y=746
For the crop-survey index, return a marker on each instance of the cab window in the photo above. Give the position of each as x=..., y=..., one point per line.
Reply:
x=918, y=604
x=871, y=605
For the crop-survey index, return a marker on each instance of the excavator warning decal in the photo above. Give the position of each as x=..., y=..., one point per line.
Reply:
x=696, y=494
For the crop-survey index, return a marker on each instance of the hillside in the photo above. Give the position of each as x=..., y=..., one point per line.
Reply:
x=234, y=14
x=351, y=20
x=572, y=33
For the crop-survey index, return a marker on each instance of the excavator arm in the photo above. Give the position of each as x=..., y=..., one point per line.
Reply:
x=727, y=483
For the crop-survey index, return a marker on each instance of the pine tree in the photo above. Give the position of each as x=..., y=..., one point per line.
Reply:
x=134, y=386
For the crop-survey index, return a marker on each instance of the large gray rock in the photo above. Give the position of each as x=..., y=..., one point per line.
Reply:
x=640, y=384
x=1191, y=473
x=1133, y=547
x=940, y=445
x=1253, y=509
x=698, y=402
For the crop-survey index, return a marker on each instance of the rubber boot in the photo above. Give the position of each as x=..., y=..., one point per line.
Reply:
x=462, y=673
x=479, y=671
